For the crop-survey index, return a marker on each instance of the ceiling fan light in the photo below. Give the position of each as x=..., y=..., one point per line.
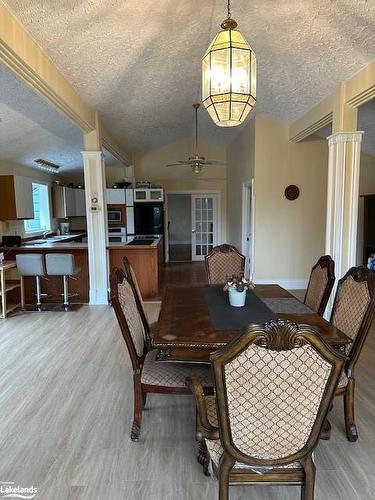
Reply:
x=229, y=76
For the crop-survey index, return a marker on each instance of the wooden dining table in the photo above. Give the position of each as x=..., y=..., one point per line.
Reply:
x=186, y=333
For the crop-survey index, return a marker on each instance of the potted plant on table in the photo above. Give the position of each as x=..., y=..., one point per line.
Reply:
x=237, y=287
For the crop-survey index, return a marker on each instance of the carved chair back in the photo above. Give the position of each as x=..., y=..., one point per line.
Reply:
x=274, y=385
x=322, y=279
x=354, y=308
x=124, y=303
x=222, y=263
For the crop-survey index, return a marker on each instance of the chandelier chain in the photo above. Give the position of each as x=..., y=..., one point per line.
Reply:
x=229, y=12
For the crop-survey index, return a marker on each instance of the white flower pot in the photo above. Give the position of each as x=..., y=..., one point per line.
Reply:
x=237, y=299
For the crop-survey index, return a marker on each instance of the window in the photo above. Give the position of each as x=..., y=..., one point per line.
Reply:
x=42, y=220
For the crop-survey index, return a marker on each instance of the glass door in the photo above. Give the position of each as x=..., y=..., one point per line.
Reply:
x=204, y=224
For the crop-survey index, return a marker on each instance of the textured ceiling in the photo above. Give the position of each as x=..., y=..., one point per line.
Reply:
x=30, y=128
x=138, y=62
x=366, y=123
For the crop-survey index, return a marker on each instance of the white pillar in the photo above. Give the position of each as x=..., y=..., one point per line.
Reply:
x=96, y=213
x=344, y=149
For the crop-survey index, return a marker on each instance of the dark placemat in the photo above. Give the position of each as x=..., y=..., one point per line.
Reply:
x=226, y=317
x=288, y=305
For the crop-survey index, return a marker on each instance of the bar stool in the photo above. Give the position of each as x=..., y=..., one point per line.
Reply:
x=31, y=264
x=62, y=264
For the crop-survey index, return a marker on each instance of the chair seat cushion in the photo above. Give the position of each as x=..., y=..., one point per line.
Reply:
x=343, y=382
x=169, y=374
x=215, y=449
x=152, y=311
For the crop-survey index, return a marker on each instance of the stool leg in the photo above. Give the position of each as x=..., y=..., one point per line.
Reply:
x=22, y=292
x=66, y=295
x=38, y=301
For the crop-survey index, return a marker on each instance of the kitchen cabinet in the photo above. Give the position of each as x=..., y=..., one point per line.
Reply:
x=16, y=196
x=149, y=194
x=68, y=202
x=116, y=196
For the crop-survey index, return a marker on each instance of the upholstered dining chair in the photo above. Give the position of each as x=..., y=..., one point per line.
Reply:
x=149, y=375
x=222, y=263
x=150, y=310
x=322, y=279
x=353, y=313
x=274, y=385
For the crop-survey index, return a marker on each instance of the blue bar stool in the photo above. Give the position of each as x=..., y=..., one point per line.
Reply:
x=31, y=264
x=62, y=264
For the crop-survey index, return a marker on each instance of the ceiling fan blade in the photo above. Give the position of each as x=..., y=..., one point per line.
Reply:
x=214, y=162
x=179, y=164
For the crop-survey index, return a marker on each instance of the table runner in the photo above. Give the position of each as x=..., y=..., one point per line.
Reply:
x=288, y=305
x=225, y=317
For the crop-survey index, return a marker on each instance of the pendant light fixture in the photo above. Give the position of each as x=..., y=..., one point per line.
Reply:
x=229, y=76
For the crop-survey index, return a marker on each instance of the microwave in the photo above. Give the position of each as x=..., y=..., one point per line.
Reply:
x=116, y=214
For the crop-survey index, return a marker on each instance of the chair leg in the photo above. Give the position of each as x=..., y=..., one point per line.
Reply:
x=226, y=464
x=138, y=406
x=38, y=292
x=309, y=484
x=66, y=292
x=22, y=282
x=351, y=429
x=202, y=456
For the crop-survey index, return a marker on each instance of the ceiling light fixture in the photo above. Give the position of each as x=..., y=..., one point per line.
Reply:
x=229, y=76
x=47, y=166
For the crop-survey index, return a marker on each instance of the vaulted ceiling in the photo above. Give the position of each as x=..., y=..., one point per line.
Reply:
x=138, y=62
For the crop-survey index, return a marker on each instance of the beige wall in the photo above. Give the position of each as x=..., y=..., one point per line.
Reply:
x=240, y=169
x=366, y=186
x=10, y=168
x=150, y=166
x=289, y=235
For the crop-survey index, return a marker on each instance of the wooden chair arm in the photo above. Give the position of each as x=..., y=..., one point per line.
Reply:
x=206, y=430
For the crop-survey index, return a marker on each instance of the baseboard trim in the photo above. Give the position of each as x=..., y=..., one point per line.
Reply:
x=285, y=283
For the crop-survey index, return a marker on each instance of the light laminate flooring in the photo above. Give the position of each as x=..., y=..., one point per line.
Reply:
x=66, y=410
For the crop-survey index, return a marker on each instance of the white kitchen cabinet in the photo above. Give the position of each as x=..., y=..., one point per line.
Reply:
x=116, y=196
x=68, y=202
x=80, y=200
x=129, y=197
x=147, y=195
x=130, y=220
x=16, y=197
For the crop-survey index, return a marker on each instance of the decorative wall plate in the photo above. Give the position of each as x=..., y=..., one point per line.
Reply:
x=291, y=192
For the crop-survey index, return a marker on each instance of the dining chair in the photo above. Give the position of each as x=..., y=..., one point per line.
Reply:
x=322, y=279
x=149, y=375
x=274, y=385
x=150, y=310
x=223, y=262
x=353, y=313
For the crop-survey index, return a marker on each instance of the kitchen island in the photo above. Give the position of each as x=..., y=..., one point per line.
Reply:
x=145, y=259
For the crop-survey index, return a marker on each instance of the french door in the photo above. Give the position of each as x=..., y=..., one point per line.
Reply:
x=204, y=218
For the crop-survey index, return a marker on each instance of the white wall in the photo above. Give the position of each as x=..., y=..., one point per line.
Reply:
x=179, y=215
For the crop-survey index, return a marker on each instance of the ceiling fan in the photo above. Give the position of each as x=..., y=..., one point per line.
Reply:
x=195, y=162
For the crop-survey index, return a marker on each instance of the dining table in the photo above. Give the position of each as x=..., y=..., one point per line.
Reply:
x=196, y=320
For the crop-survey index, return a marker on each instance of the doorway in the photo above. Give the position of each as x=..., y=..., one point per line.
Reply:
x=192, y=225
x=248, y=218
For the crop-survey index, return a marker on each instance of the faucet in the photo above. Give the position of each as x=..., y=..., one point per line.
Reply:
x=45, y=234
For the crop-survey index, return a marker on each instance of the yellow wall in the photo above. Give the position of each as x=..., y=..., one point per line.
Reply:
x=240, y=169
x=150, y=166
x=289, y=235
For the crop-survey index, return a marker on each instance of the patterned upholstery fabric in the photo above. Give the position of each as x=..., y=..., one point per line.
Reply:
x=352, y=300
x=173, y=374
x=222, y=266
x=274, y=398
x=317, y=285
x=132, y=317
x=343, y=382
x=152, y=311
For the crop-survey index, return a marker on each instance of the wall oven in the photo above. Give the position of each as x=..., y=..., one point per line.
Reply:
x=116, y=214
x=117, y=234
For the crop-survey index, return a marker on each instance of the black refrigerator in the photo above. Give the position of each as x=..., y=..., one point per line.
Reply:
x=149, y=218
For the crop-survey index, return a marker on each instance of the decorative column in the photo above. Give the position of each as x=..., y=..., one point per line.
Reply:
x=96, y=213
x=344, y=149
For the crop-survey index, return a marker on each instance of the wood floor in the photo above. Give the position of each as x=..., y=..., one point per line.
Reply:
x=65, y=416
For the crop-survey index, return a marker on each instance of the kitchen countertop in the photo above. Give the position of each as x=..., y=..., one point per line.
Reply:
x=126, y=245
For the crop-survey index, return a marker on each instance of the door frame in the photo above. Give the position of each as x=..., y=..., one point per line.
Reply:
x=191, y=192
x=248, y=200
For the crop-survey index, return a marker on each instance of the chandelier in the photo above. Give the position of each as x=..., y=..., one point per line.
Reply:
x=229, y=76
